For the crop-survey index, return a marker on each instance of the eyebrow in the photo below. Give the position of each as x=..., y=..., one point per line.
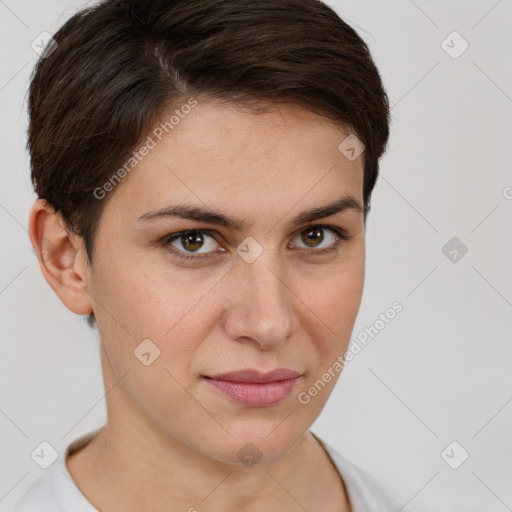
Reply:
x=212, y=217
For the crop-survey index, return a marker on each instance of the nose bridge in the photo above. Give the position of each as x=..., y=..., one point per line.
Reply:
x=262, y=303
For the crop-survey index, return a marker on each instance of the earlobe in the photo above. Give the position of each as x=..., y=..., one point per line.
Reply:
x=61, y=257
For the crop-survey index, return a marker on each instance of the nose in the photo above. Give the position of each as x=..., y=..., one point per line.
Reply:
x=261, y=306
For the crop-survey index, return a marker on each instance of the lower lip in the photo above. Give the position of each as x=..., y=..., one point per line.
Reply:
x=254, y=394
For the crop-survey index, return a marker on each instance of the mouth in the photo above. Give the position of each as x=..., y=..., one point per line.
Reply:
x=253, y=388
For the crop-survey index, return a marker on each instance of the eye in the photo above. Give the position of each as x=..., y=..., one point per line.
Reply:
x=313, y=237
x=191, y=242
x=198, y=244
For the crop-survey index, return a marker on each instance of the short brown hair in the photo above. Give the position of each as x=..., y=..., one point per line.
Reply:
x=119, y=64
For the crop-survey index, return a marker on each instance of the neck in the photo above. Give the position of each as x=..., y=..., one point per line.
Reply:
x=106, y=472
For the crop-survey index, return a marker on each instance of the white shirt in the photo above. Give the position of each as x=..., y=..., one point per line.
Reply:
x=57, y=491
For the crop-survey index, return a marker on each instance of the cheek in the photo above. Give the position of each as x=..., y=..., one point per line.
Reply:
x=334, y=300
x=333, y=308
x=152, y=298
x=166, y=311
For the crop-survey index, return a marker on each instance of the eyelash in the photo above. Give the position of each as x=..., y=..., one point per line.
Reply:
x=341, y=238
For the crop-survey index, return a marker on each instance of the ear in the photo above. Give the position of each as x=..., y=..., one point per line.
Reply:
x=62, y=257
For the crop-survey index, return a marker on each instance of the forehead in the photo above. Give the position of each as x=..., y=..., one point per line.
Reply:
x=221, y=155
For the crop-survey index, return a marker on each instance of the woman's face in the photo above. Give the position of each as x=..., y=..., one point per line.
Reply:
x=277, y=293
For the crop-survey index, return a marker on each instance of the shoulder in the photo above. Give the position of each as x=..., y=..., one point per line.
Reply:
x=38, y=498
x=365, y=493
x=56, y=491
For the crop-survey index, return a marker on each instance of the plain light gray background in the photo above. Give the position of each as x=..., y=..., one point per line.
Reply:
x=440, y=371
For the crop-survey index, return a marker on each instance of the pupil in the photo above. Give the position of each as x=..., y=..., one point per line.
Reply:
x=312, y=236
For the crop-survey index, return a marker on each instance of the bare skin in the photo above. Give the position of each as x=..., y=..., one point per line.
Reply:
x=172, y=442
x=319, y=486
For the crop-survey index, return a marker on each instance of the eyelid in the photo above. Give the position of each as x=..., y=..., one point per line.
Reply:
x=341, y=238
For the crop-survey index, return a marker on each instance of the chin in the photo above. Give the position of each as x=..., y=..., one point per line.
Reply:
x=250, y=446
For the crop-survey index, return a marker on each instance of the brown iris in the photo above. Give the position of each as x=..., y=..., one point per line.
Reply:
x=312, y=236
x=192, y=241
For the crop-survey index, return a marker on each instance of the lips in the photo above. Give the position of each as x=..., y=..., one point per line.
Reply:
x=254, y=388
x=256, y=376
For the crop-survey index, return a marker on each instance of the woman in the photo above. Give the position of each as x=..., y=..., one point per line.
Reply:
x=204, y=172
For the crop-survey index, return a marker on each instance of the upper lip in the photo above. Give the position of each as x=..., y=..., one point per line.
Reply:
x=250, y=375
